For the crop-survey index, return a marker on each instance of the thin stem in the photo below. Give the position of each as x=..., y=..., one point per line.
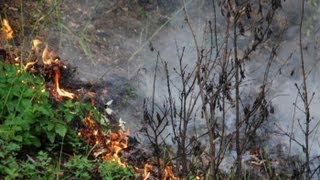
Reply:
x=305, y=97
x=237, y=86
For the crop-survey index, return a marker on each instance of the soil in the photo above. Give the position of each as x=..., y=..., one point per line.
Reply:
x=97, y=37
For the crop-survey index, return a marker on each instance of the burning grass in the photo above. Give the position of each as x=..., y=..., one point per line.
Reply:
x=110, y=148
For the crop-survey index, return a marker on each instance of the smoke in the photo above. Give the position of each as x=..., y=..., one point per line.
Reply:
x=284, y=74
x=116, y=40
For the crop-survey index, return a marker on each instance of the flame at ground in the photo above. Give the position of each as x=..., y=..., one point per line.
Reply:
x=116, y=143
x=146, y=171
x=110, y=144
x=6, y=28
x=61, y=92
x=47, y=56
x=49, y=60
x=168, y=173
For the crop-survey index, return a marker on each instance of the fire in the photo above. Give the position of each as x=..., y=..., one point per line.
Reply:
x=110, y=144
x=56, y=64
x=47, y=56
x=48, y=59
x=117, y=141
x=60, y=92
x=6, y=28
x=146, y=171
x=35, y=45
x=168, y=173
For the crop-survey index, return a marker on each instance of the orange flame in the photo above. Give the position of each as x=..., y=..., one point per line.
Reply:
x=6, y=28
x=61, y=92
x=112, y=143
x=146, y=171
x=47, y=56
x=48, y=59
x=35, y=45
x=116, y=142
x=168, y=173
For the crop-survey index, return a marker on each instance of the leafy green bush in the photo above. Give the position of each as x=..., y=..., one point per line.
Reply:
x=41, y=168
x=28, y=120
x=26, y=115
x=79, y=167
x=111, y=170
x=8, y=163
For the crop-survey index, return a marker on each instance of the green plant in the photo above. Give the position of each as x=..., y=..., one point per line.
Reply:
x=71, y=110
x=143, y=12
x=129, y=94
x=79, y=167
x=8, y=163
x=40, y=167
x=111, y=170
x=11, y=168
x=33, y=168
x=26, y=115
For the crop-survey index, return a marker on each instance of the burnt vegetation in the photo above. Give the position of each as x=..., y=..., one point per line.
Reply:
x=211, y=90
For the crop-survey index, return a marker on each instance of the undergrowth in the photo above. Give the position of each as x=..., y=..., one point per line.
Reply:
x=38, y=137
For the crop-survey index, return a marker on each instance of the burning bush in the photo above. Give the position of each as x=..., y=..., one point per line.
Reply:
x=35, y=114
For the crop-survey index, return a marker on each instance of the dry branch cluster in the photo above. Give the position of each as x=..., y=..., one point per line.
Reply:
x=211, y=91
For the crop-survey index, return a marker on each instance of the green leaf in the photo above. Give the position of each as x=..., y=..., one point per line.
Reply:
x=13, y=147
x=12, y=80
x=44, y=110
x=23, y=123
x=34, y=141
x=26, y=103
x=28, y=115
x=69, y=116
x=11, y=120
x=51, y=136
x=61, y=129
x=11, y=105
x=29, y=92
x=50, y=126
x=68, y=104
x=18, y=138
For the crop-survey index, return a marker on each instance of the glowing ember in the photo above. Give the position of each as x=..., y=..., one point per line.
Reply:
x=6, y=28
